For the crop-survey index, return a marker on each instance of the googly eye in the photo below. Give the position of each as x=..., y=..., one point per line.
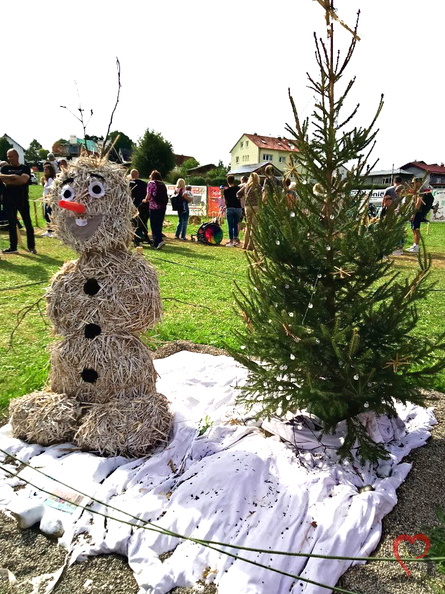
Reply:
x=67, y=193
x=96, y=189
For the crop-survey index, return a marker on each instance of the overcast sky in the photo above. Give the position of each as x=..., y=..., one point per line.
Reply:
x=202, y=73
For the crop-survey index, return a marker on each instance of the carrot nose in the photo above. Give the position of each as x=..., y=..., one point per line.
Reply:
x=73, y=206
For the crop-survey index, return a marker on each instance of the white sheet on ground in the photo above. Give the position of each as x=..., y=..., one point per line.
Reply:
x=278, y=487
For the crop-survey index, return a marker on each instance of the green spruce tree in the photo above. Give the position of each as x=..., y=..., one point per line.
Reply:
x=329, y=323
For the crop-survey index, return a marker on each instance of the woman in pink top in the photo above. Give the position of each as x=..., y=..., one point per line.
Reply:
x=157, y=199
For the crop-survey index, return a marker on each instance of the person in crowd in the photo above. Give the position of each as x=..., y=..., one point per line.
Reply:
x=63, y=164
x=387, y=204
x=185, y=195
x=47, y=179
x=393, y=191
x=234, y=211
x=250, y=196
x=289, y=192
x=221, y=216
x=138, y=189
x=390, y=201
x=244, y=180
x=271, y=183
x=424, y=199
x=2, y=190
x=157, y=199
x=15, y=198
x=50, y=158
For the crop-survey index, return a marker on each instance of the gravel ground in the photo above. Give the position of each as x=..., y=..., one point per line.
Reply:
x=415, y=512
x=24, y=555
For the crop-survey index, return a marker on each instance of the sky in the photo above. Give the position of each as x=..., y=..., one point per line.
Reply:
x=202, y=73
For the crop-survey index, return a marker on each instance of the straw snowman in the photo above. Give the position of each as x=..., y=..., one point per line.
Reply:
x=102, y=393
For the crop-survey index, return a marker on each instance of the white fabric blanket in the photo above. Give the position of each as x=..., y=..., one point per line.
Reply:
x=224, y=479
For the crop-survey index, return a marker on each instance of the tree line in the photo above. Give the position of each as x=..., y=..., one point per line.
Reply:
x=151, y=151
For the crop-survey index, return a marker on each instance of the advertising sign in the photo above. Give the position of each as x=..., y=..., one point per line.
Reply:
x=199, y=205
x=214, y=201
x=375, y=196
x=437, y=213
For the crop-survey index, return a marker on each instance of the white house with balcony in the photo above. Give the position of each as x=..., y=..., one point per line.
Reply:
x=253, y=149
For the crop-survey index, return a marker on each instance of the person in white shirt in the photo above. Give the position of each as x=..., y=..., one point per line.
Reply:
x=47, y=179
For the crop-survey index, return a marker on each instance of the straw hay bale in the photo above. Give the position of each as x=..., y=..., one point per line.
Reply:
x=127, y=296
x=103, y=381
x=107, y=217
x=94, y=370
x=44, y=417
x=125, y=427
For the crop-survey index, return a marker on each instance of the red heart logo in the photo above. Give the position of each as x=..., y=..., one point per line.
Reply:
x=412, y=540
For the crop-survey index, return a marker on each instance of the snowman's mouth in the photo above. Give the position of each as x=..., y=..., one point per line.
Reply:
x=84, y=228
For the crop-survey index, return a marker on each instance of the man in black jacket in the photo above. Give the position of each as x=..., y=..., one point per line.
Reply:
x=15, y=199
x=138, y=189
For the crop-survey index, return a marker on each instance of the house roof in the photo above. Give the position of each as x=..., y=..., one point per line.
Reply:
x=14, y=141
x=201, y=168
x=255, y=168
x=389, y=172
x=180, y=159
x=434, y=168
x=276, y=143
x=90, y=145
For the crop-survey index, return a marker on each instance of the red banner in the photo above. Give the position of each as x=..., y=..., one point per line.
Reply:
x=214, y=201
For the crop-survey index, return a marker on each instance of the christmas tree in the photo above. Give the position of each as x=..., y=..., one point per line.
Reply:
x=329, y=323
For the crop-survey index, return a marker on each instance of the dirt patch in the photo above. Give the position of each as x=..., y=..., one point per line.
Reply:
x=175, y=346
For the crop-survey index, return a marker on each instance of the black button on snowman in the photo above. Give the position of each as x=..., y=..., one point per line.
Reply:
x=102, y=390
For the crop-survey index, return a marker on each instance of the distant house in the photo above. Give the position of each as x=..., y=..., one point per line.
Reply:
x=15, y=145
x=180, y=160
x=255, y=168
x=74, y=147
x=125, y=155
x=201, y=169
x=385, y=177
x=434, y=174
x=253, y=149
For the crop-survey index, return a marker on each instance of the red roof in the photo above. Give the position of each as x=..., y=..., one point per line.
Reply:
x=270, y=142
x=180, y=159
x=434, y=168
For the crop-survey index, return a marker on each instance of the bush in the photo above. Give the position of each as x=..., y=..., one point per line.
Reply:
x=196, y=180
x=216, y=181
x=173, y=177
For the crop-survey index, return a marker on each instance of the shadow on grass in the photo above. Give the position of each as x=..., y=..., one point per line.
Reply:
x=172, y=249
x=25, y=265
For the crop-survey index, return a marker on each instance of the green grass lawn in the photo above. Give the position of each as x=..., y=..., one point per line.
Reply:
x=196, y=281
